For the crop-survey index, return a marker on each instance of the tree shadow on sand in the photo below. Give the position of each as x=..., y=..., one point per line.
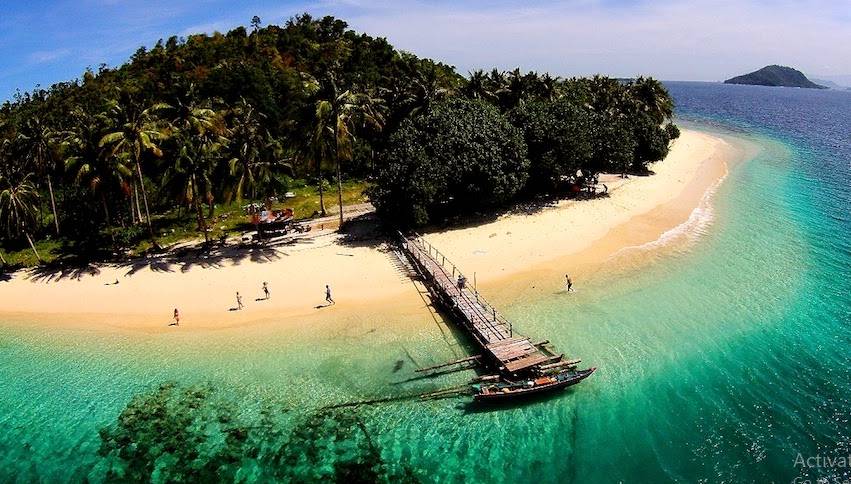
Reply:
x=368, y=231
x=365, y=230
x=5, y=277
x=211, y=256
x=63, y=269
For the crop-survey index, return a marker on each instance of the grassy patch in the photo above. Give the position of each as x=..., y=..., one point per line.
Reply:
x=230, y=218
x=48, y=249
x=176, y=226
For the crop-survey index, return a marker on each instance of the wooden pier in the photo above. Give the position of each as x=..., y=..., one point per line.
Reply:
x=509, y=352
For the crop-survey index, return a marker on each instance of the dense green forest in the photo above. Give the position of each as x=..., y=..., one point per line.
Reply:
x=96, y=166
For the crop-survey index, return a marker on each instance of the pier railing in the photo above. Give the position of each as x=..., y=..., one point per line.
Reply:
x=451, y=272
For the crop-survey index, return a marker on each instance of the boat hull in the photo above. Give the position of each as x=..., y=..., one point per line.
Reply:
x=519, y=393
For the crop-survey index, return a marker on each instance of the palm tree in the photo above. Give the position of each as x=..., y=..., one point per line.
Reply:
x=314, y=146
x=606, y=96
x=652, y=98
x=516, y=88
x=496, y=80
x=5, y=160
x=321, y=146
x=7, y=167
x=136, y=132
x=412, y=89
x=200, y=133
x=256, y=160
x=19, y=208
x=90, y=166
x=427, y=89
x=190, y=117
x=337, y=119
x=36, y=141
x=477, y=86
x=202, y=127
x=336, y=115
x=190, y=175
x=548, y=87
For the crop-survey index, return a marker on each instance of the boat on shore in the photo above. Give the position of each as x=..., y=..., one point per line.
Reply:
x=507, y=391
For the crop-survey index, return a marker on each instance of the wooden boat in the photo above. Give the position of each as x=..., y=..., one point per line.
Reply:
x=500, y=392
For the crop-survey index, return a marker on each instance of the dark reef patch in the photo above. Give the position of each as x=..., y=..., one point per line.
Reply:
x=191, y=434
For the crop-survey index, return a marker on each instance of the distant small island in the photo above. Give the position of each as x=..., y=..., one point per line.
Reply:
x=831, y=85
x=775, y=76
x=827, y=84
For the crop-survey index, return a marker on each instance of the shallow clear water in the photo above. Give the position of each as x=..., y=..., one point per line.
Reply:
x=721, y=362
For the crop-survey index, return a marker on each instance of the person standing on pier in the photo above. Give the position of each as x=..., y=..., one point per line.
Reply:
x=328, y=294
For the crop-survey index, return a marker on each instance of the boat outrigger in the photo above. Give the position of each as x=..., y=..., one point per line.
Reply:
x=521, y=366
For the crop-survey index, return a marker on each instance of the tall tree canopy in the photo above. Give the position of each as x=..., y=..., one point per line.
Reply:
x=461, y=155
x=559, y=137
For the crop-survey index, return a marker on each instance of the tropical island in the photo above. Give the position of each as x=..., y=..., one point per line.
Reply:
x=171, y=146
x=774, y=75
x=291, y=155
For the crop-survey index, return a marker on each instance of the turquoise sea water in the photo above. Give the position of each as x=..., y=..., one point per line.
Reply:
x=721, y=362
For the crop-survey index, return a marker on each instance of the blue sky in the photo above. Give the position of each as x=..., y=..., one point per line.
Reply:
x=46, y=41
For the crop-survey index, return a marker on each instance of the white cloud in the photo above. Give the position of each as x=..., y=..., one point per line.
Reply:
x=43, y=56
x=207, y=28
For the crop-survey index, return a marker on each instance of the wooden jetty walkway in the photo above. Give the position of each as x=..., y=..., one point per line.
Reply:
x=511, y=353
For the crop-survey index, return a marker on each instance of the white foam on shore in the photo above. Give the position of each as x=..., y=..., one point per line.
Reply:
x=690, y=231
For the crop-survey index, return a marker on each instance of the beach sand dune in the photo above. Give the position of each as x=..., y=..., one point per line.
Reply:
x=579, y=237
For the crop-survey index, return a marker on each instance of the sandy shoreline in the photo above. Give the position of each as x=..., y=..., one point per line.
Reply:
x=582, y=238
x=573, y=236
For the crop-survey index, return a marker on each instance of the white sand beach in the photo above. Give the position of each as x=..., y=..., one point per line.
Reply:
x=574, y=236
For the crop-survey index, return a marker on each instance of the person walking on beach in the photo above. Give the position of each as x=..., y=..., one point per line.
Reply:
x=569, y=282
x=176, y=318
x=328, y=294
x=238, y=301
x=266, y=290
